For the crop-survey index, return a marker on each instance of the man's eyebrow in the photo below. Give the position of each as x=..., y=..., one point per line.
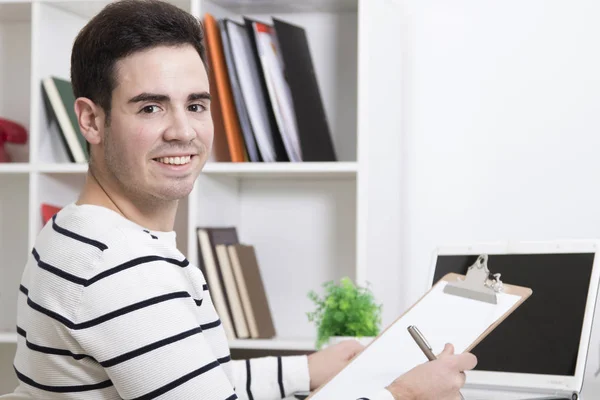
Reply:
x=199, y=96
x=149, y=97
x=164, y=98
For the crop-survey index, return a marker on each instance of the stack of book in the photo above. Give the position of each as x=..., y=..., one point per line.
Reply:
x=233, y=276
x=267, y=104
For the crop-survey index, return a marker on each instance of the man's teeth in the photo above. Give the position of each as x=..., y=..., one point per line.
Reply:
x=175, y=160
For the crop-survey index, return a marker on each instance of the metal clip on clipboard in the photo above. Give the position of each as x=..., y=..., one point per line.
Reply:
x=477, y=284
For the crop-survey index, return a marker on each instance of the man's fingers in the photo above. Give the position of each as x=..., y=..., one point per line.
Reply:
x=462, y=379
x=448, y=350
x=465, y=361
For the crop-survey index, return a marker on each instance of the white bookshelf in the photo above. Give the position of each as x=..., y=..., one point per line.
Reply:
x=273, y=344
x=8, y=337
x=310, y=170
x=15, y=168
x=309, y=222
x=61, y=168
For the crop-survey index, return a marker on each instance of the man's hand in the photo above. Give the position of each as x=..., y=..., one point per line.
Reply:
x=440, y=379
x=324, y=364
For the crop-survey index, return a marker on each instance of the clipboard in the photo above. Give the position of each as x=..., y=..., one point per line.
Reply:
x=458, y=309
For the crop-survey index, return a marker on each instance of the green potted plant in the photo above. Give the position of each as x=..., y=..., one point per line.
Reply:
x=345, y=310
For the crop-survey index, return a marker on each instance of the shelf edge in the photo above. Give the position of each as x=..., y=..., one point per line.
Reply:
x=8, y=337
x=273, y=344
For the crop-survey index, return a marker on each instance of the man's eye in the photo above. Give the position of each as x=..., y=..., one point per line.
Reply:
x=149, y=109
x=196, y=108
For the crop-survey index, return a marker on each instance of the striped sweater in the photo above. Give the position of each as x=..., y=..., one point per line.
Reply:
x=110, y=310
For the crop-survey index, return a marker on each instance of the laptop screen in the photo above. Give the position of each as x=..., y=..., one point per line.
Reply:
x=542, y=335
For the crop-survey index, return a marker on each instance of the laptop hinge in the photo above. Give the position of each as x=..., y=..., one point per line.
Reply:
x=567, y=394
x=575, y=396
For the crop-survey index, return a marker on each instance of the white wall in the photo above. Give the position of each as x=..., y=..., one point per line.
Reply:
x=501, y=126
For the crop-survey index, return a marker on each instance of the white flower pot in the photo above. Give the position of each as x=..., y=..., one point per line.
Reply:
x=365, y=340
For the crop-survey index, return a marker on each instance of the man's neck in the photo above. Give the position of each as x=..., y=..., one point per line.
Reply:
x=157, y=217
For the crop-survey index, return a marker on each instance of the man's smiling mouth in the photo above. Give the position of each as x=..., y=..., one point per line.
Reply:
x=182, y=160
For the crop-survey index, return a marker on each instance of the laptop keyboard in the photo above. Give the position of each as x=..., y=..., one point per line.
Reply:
x=503, y=397
x=491, y=395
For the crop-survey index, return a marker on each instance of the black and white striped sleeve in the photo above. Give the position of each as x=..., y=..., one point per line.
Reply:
x=270, y=378
x=274, y=378
x=143, y=328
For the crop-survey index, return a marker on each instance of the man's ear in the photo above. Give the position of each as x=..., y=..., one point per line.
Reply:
x=90, y=118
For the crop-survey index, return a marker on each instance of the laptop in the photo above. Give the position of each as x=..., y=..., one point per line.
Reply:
x=539, y=351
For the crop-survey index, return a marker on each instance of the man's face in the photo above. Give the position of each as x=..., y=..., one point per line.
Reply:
x=160, y=129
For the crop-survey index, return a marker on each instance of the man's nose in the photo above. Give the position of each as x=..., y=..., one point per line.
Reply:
x=179, y=128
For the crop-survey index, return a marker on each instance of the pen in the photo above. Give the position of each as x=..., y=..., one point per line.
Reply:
x=421, y=342
x=424, y=345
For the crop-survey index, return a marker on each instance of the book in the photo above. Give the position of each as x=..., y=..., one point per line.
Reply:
x=279, y=95
x=238, y=98
x=59, y=101
x=224, y=236
x=254, y=97
x=254, y=299
x=224, y=97
x=263, y=80
x=220, y=148
x=209, y=266
x=232, y=292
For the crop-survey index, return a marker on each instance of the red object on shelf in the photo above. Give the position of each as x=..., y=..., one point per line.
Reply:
x=48, y=212
x=10, y=132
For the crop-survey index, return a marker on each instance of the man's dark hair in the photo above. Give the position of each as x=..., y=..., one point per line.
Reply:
x=121, y=29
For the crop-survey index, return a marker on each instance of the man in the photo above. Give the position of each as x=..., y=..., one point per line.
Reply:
x=109, y=308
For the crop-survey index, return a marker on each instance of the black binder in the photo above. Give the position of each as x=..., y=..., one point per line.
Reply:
x=313, y=128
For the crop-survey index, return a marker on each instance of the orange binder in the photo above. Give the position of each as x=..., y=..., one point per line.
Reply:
x=224, y=96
